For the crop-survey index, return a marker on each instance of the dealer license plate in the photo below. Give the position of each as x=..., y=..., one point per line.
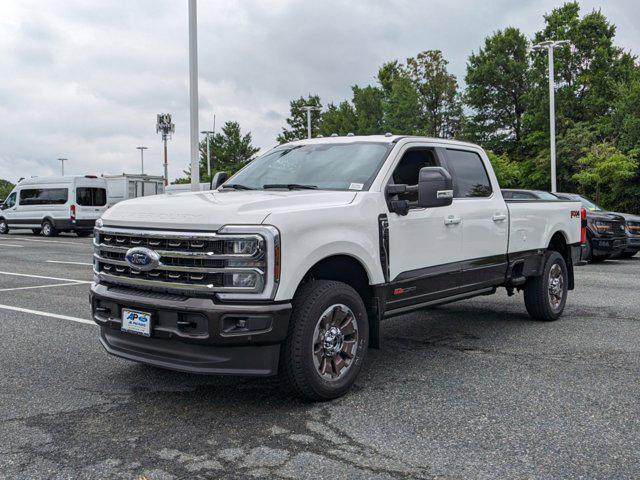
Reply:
x=136, y=322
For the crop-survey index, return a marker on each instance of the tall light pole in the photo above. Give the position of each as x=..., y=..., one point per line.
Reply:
x=142, y=149
x=309, y=108
x=550, y=45
x=62, y=160
x=206, y=133
x=166, y=127
x=193, y=95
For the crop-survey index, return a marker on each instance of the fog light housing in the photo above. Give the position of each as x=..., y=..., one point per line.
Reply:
x=241, y=280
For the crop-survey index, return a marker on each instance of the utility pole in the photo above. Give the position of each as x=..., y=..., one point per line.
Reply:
x=166, y=128
x=206, y=133
x=193, y=95
x=142, y=149
x=309, y=108
x=550, y=45
x=62, y=160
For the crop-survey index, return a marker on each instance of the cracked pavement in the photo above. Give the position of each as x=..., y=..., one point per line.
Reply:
x=469, y=390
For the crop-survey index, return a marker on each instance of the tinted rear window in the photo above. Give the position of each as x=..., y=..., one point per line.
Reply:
x=44, y=196
x=470, y=179
x=91, y=197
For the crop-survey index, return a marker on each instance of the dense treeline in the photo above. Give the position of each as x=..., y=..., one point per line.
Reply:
x=505, y=107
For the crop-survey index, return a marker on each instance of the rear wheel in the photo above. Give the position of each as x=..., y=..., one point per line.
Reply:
x=327, y=340
x=36, y=231
x=4, y=228
x=48, y=230
x=545, y=296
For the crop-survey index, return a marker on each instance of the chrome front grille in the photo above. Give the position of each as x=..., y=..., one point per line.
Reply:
x=189, y=261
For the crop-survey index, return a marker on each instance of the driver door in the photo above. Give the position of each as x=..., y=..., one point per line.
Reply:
x=425, y=246
x=9, y=208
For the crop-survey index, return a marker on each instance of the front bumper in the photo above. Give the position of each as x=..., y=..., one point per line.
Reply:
x=195, y=335
x=633, y=243
x=602, y=245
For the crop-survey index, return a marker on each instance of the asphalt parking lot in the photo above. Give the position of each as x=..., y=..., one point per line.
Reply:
x=469, y=390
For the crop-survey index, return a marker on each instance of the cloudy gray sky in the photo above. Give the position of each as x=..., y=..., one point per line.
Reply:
x=84, y=80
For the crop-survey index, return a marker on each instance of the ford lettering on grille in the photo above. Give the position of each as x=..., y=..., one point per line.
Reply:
x=142, y=259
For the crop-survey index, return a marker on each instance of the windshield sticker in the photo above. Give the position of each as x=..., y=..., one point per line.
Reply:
x=356, y=186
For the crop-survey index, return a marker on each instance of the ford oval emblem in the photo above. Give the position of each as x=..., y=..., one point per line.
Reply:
x=143, y=259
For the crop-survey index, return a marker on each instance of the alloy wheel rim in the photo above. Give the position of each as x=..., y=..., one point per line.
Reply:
x=556, y=286
x=334, y=342
x=46, y=229
x=3, y=226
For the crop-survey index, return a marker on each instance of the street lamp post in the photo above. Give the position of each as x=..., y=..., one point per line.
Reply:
x=550, y=45
x=62, y=160
x=142, y=149
x=206, y=133
x=193, y=95
x=309, y=108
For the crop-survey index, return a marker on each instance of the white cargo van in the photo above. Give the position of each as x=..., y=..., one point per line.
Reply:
x=49, y=205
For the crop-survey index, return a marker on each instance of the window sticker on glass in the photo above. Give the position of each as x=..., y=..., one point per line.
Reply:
x=356, y=186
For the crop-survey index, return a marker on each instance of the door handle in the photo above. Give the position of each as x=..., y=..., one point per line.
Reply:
x=451, y=220
x=499, y=217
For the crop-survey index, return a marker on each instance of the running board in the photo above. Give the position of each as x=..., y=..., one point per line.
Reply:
x=440, y=301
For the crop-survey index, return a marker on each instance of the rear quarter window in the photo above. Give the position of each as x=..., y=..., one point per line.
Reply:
x=91, y=197
x=470, y=179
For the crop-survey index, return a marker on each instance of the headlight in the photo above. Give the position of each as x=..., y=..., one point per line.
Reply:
x=99, y=223
x=241, y=246
x=254, y=262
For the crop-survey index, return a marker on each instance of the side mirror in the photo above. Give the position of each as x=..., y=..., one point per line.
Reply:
x=218, y=179
x=435, y=187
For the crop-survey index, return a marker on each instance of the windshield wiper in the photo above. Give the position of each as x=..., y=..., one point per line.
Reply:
x=237, y=186
x=290, y=186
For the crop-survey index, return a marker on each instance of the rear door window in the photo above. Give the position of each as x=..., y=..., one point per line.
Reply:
x=91, y=197
x=470, y=179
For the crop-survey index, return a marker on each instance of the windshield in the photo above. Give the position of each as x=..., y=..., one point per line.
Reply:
x=589, y=205
x=328, y=166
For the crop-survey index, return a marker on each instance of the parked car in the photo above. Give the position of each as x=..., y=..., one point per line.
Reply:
x=290, y=265
x=633, y=235
x=521, y=194
x=606, y=234
x=49, y=205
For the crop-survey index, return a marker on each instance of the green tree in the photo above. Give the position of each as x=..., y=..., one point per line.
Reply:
x=507, y=171
x=624, y=125
x=586, y=75
x=604, y=164
x=401, y=107
x=5, y=188
x=368, y=107
x=438, y=91
x=230, y=151
x=339, y=119
x=297, y=121
x=497, y=83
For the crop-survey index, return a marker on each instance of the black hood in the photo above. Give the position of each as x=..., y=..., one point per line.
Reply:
x=628, y=216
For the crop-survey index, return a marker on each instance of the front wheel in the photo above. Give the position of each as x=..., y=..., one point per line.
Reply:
x=546, y=295
x=327, y=340
x=4, y=228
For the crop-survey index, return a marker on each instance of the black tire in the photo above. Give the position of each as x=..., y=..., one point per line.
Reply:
x=588, y=250
x=4, y=228
x=36, y=231
x=627, y=254
x=48, y=230
x=300, y=351
x=537, y=291
x=83, y=233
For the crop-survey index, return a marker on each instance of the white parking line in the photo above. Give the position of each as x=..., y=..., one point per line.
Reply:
x=70, y=263
x=47, y=314
x=46, y=241
x=10, y=245
x=45, y=278
x=41, y=286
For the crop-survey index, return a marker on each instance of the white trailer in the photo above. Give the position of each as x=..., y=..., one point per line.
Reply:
x=127, y=186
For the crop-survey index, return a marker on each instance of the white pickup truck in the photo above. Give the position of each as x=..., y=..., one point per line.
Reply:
x=290, y=265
